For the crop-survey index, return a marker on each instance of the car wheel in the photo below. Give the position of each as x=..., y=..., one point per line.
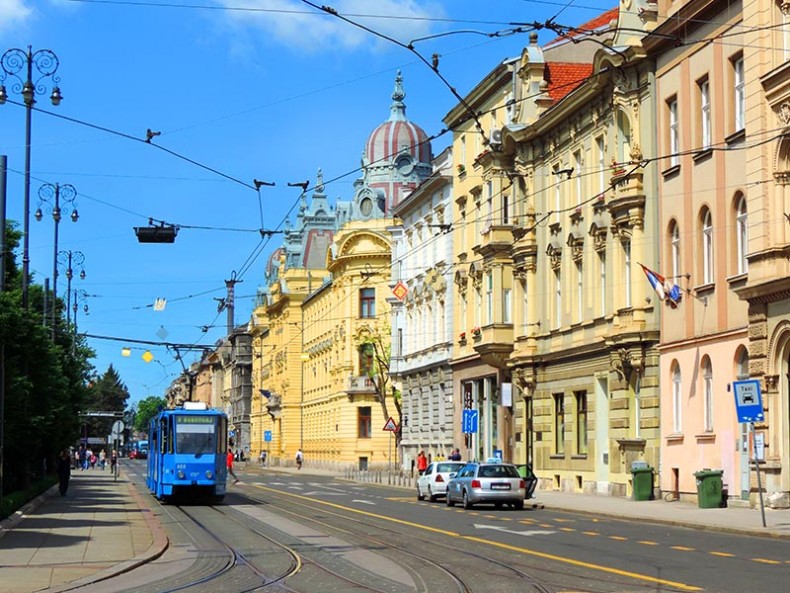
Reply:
x=467, y=503
x=519, y=505
x=419, y=494
x=431, y=495
x=450, y=501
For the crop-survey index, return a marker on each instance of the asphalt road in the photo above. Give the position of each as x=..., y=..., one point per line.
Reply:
x=383, y=539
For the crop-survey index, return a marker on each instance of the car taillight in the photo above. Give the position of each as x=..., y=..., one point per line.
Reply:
x=439, y=478
x=476, y=484
x=522, y=483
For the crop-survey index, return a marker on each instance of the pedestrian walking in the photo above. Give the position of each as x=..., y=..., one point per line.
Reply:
x=102, y=459
x=229, y=463
x=422, y=462
x=455, y=455
x=299, y=458
x=64, y=471
x=263, y=457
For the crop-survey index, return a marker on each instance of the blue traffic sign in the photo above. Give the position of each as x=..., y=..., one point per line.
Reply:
x=748, y=400
x=267, y=435
x=469, y=421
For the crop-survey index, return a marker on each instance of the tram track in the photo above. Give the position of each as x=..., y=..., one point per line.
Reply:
x=536, y=586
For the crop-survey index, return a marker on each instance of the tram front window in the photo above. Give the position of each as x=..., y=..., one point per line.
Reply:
x=196, y=435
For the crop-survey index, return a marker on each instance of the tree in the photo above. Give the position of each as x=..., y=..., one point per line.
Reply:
x=147, y=409
x=375, y=350
x=107, y=394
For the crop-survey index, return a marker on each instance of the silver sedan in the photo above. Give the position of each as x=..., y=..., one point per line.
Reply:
x=487, y=483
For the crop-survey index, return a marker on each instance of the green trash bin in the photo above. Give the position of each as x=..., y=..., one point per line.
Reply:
x=642, y=479
x=709, y=488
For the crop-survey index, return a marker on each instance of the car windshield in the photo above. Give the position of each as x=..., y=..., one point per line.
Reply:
x=498, y=471
x=446, y=468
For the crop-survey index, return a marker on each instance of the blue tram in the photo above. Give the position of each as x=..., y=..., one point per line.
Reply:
x=187, y=453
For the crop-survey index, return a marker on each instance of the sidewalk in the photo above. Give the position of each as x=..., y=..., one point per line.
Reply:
x=103, y=528
x=99, y=529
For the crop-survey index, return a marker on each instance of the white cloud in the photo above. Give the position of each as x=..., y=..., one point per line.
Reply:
x=13, y=12
x=297, y=25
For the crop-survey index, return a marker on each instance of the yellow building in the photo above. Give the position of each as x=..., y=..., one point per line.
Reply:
x=346, y=337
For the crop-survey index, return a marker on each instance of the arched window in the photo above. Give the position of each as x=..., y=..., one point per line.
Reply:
x=677, y=399
x=623, y=138
x=742, y=363
x=707, y=247
x=707, y=391
x=674, y=250
x=742, y=236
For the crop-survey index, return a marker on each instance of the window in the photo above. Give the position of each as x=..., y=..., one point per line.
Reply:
x=559, y=423
x=399, y=343
x=579, y=292
x=677, y=399
x=623, y=138
x=507, y=306
x=599, y=143
x=707, y=247
x=739, y=99
x=557, y=192
x=366, y=352
x=602, y=270
x=707, y=379
x=363, y=422
x=627, y=272
x=463, y=150
x=578, y=168
x=581, y=422
x=505, y=209
x=557, y=299
x=490, y=297
x=742, y=364
x=674, y=133
x=524, y=303
x=703, y=87
x=742, y=235
x=367, y=303
x=674, y=254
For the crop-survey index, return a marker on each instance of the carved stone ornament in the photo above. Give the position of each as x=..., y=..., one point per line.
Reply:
x=783, y=113
x=624, y=362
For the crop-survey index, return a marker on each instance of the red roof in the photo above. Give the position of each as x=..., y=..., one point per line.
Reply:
x=565, y=77
x=600, y=21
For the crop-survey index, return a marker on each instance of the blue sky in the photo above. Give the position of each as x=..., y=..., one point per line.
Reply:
x=250, y=89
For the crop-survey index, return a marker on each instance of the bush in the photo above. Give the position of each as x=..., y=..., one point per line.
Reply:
x=14, y=501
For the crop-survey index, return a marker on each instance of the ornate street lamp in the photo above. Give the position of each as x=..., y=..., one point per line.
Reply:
x=69, y=259
x=51, y=196
x=16, y=63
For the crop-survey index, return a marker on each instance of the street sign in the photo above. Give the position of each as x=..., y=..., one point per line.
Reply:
x=748, y=400
x=117, y=429
x=469, y=421
x=390, y=425
x=267, y=435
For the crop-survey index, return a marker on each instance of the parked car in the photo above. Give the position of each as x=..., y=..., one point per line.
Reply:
x=494, y=483
x=433, y=482
x=530, y=479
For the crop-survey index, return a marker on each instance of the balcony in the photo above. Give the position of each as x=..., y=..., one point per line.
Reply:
x=361, y=385
x=495, y=344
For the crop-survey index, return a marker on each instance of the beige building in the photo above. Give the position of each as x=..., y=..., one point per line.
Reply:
x=583, y=320
x=703, y=236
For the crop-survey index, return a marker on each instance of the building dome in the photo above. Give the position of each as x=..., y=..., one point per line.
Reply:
x=397, y=136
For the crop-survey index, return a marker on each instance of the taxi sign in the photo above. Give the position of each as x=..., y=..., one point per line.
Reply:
x=748, y=400
x=390, y=425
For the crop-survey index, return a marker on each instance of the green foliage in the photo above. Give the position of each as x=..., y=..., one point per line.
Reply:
x=147, y=409
x=15, y=500
x=106, y=393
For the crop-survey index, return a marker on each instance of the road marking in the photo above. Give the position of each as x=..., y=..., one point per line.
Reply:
x=590, y=533
x=505, y=530
x=486, y=542
x=647, y=542
x=765, y=561
x=567, y=529
x=322, y=493
x=619, y=538
x=722, y=554
x=364, y=501
x=682, y=548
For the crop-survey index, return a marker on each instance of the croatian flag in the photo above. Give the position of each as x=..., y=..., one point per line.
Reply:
x=666, y=291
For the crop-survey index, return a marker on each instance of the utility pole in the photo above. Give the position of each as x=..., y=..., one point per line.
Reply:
x=229, y=300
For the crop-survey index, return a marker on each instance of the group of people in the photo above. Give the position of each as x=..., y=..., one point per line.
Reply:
x=83, y=458
x=231, y=456
x=422, y=459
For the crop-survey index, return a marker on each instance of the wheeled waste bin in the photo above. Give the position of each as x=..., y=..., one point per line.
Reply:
x=642, y=479
x=709, y=488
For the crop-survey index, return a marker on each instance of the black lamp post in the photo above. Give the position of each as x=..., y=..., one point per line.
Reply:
x=79, y=295
x=51, y=195
x=69, y=259
x=13, y=63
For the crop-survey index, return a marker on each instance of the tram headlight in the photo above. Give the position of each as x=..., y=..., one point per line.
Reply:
x=209, y=475
x=180, y=474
